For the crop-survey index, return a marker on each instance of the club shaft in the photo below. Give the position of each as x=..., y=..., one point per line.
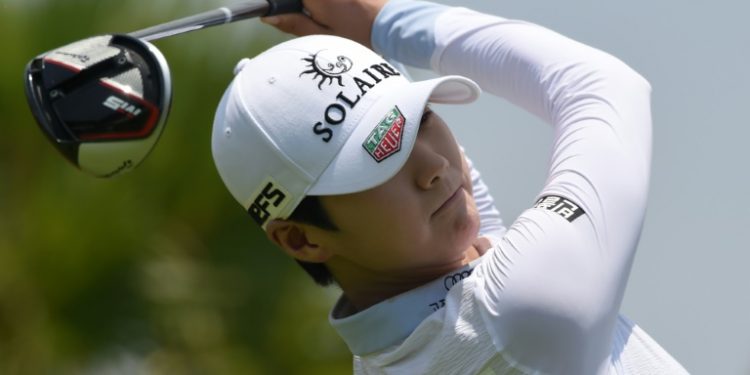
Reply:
x=219, y=16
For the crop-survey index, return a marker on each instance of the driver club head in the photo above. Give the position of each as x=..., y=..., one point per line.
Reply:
x=102, y=101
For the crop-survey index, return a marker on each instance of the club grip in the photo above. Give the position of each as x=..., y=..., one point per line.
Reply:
x=283, y=6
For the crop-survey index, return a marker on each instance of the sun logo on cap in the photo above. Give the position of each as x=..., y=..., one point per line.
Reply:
x=327, y=69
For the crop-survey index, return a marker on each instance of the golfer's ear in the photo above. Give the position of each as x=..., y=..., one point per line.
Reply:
x=293, y=239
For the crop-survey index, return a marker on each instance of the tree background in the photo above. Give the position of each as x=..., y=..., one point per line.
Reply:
x=156, y=271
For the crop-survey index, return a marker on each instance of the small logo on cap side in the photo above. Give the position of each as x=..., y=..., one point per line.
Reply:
x=270, y=199
x=385, y=138
x=325, y=69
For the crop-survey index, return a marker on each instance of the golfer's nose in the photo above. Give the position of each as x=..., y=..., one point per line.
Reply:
x=430, y=165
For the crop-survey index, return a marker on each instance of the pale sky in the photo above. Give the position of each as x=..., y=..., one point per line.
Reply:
x=689, y=288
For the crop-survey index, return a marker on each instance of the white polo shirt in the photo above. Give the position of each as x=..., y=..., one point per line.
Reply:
x=545, y=298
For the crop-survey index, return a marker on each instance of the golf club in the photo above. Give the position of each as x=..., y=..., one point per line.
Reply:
x=103, y=101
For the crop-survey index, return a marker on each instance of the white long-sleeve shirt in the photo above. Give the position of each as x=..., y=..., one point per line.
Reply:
x=545, y=298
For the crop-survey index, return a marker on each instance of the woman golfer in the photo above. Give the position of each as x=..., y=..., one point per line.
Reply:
x=340, y=160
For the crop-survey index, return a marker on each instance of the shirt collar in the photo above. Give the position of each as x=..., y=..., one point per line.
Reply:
x=393, y=320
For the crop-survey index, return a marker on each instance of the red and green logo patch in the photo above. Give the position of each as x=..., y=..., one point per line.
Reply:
x=385, y=139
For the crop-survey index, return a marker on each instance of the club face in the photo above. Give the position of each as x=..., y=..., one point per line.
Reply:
x=102, y=101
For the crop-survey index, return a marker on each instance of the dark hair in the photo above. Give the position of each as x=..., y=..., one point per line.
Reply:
x=310, y=211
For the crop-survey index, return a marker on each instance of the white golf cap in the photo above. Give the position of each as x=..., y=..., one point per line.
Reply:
x=318, y=115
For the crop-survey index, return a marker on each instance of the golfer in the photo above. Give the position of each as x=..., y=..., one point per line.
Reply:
x=344, y=165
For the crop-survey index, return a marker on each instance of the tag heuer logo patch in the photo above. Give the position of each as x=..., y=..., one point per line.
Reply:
x=385, y=139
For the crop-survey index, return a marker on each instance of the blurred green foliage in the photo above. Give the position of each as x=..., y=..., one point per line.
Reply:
x=157, y=271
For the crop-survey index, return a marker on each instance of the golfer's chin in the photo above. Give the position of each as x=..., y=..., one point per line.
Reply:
x=469, y=223
x=466, y=228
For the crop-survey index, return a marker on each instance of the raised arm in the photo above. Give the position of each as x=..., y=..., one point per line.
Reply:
x=552, y=289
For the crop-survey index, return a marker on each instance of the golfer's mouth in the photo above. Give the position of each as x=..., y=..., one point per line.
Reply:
x=453, y=198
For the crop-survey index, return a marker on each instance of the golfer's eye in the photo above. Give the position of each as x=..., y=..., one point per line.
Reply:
x=425, y=116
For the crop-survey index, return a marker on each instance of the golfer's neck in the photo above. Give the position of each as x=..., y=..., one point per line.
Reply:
x=364, y=287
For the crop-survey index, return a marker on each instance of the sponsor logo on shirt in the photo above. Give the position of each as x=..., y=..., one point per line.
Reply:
x=438, y=305
x=451, y=280
x=561, y=206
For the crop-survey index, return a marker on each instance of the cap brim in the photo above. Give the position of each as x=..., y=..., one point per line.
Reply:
x=354, y=169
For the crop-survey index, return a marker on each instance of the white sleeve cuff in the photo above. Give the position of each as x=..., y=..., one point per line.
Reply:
x=404, y=31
